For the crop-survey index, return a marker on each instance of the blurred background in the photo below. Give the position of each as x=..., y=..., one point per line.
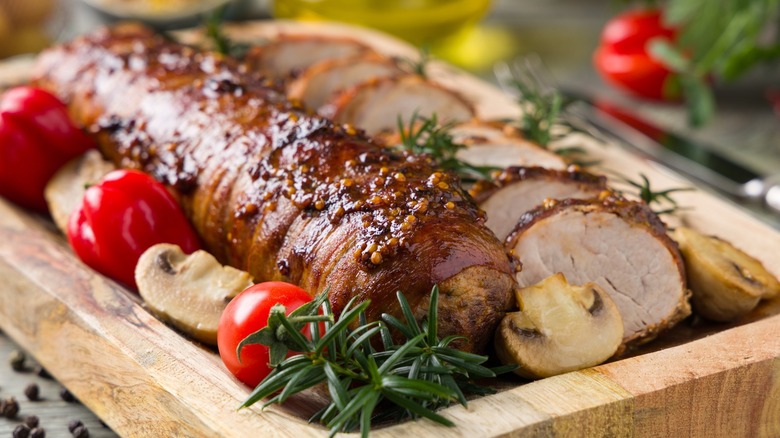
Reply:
x=473, y=34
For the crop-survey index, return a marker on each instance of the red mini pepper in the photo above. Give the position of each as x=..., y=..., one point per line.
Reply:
x=623, y=60
x=120, y=218
x=37, y=137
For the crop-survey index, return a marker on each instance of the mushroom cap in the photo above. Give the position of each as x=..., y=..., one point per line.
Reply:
x=560, y=328
x=188, y=291
x=726, y=282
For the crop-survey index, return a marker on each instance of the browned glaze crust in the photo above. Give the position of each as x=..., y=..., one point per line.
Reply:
x=483, y=189
x=636, y=213
x=278, y=191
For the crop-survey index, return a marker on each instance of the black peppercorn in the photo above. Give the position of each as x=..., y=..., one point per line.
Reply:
x=10, y=408
x=41, y=372
x=32, y=392
x=16, y=359
x=73, y=424
x=21, y=431
x=38, y=432
x=67, y=396
x=81, y=432
x=31, y=421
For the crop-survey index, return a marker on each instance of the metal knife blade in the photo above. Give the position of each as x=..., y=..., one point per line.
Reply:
x=679, y=153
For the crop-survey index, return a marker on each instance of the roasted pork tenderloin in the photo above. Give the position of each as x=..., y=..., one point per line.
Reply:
x=621, y=245
x=279, y=192
x=517, y=190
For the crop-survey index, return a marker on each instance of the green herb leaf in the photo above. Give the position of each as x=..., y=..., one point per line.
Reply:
x=651, y=197
x=427, y=136
x=222, y=44
x=701, y=102
x=417, y=376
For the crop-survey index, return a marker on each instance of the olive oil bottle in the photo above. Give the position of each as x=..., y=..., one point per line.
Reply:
x=421, y=22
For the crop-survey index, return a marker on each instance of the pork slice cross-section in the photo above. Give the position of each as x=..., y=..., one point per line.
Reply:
x=289, y=55
x=619, y=244
x=318, y=83
x=518, y=190
x=375, y=106
x=492, y=144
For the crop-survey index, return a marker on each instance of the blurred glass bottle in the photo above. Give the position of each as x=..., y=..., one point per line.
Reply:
x=437, y=24
x=28, y=26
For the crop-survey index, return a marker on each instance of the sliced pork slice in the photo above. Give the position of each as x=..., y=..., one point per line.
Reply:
x=497, y=145
x=289, y=55
x=318, y=83
x=376, y=105
x=619, y=244
x=518, y=190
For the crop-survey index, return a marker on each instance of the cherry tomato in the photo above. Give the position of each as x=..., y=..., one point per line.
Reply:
x=623, y=60
x=36, y=138
x=247, y=313
x=120, y=218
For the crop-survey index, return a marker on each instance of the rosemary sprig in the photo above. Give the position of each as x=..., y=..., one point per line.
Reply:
x=650, y=196
x=541, y=111
x=222, y=44
x=427, y=136
x=362, y=366
x=418, y=66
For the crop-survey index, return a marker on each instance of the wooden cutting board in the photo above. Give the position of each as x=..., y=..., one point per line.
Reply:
x=144, y=379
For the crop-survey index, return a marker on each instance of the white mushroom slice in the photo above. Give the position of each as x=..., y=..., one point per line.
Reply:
x=291, y=54
x=517, y=190
x=317, y=84
x=188, y=291
x=376, y=105
x=492, y=145
x=560, y=328
x=620, y=245
x=726, y=282
x=66, y=188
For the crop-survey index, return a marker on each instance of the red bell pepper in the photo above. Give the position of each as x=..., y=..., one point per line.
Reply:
x=623, y=60
x=120, y=218
x=36, y=138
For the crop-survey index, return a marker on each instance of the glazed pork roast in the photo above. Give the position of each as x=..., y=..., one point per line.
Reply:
x=280, y=192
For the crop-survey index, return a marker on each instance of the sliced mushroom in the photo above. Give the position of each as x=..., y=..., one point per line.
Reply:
x=66, y=188
x=560, y=328
x=726, y=283
x=188, y=291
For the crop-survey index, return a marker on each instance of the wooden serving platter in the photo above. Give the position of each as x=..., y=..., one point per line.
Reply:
x=144, y=379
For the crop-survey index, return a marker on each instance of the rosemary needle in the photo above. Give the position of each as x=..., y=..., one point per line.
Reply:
x=426, y=136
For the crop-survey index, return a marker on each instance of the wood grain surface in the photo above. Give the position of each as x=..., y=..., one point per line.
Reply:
x=144, y=379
